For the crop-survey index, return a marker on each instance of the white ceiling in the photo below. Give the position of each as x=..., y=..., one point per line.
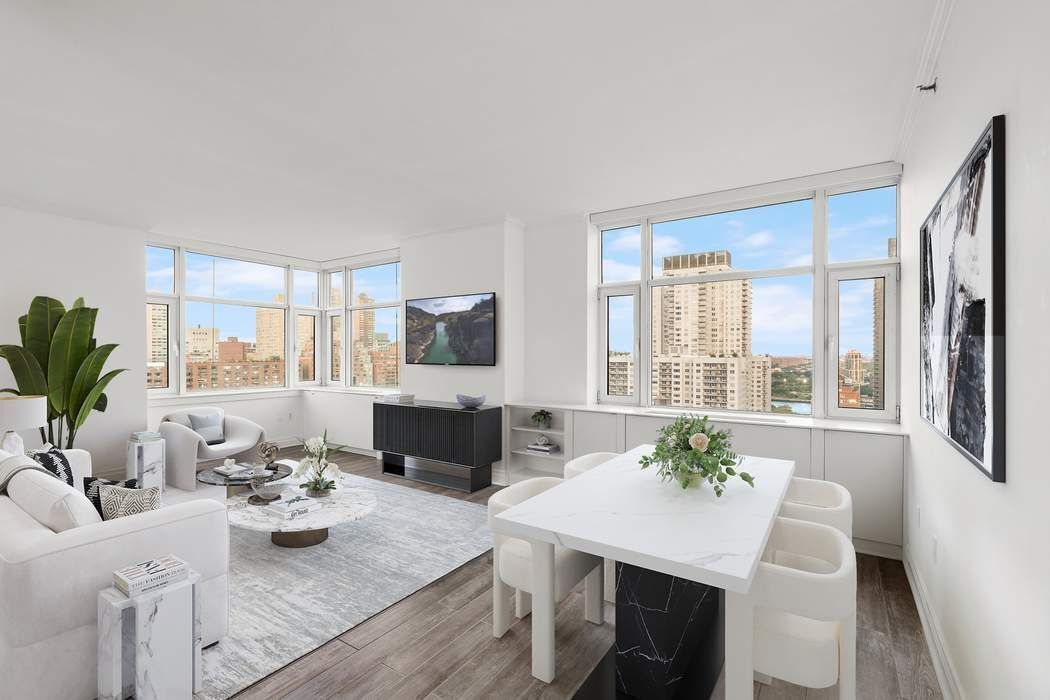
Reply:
x=324, y=129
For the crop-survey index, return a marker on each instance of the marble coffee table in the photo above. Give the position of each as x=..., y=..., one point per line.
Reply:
x=345, y=504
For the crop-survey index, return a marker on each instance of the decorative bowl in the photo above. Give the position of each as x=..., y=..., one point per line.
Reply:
x=470, y=401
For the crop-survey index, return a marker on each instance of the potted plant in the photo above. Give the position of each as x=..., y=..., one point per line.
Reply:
x=690, y=452
x=542, y=418
x=59, y=358
x=320, y=475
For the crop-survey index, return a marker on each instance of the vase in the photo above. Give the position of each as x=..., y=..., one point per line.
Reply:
x=318, y=494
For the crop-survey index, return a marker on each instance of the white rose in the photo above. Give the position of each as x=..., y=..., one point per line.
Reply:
x=305, y=466
x=332, y=471
x=314, y=445
x=699, y=441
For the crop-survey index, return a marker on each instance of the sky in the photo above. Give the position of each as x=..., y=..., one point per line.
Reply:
x=443, y=305
x=859, y=224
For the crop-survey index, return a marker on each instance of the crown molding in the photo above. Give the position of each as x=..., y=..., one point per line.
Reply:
x=925, y=73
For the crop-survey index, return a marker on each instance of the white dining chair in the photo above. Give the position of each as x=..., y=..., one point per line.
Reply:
x=575, y=467
x=805, y=607
x=512, y=563
x=819, y=501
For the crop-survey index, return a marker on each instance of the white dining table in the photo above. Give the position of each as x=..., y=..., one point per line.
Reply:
x=619, y=511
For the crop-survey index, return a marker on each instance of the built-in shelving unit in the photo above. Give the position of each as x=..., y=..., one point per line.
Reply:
x=518, y=462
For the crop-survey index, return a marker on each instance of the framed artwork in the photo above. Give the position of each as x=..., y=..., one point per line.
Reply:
x=962, y=321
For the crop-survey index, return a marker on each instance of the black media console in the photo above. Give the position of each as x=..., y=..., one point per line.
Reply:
x=439, y=443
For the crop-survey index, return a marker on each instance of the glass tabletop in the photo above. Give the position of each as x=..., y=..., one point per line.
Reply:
x=210, y=476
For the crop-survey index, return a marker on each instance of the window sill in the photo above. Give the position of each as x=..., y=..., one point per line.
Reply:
x=856, y=425
x=204, y=397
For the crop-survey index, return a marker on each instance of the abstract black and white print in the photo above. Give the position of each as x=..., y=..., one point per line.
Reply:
x=961, y=242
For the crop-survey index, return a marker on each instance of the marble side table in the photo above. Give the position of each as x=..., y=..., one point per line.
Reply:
x=150, y=646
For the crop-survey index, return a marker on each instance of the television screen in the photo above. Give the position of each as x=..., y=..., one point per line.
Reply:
x=457, y=330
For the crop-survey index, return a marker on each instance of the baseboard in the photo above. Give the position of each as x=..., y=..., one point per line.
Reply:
x=287, y=442
x=878, y=549
x=946, y=676
x=360, y=451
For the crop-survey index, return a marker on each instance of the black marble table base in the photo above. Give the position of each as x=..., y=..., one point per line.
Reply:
x=670, y=639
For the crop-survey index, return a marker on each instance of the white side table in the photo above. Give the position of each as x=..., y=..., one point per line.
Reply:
x=146, y=463
x=150, y=646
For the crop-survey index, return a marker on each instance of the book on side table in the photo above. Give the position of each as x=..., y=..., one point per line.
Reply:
x=150, y=575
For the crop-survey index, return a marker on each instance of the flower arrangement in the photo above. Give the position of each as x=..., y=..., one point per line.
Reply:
x=690, y=451
x=320, y=474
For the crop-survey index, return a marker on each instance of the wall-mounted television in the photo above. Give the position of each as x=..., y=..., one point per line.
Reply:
x=459, y=330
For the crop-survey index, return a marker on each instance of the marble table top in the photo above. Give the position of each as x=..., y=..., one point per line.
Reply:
x=620, y=511
x=345, y=504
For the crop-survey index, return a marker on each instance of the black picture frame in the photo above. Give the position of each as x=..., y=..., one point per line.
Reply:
x=495, y=332
x=956, y=422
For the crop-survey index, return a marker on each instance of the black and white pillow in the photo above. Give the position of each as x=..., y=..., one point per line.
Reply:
x=52, y=459
x=91, y=484
x=118, y=502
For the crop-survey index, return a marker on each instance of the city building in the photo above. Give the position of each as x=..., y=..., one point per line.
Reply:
x=706, y=361
x=621, y=374
x=200, y=342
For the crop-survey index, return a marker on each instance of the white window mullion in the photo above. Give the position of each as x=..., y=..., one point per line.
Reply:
x=821, y=349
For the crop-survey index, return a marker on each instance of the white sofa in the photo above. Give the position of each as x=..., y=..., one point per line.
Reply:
x=186, y=451
x=49, y=584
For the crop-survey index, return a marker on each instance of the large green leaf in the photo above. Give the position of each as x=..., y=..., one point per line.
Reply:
x=28, y=375
x=92, y=397
x=87, y=376
x=23, y=320
x=102, y=403
x=70, y=345
x=41, y=322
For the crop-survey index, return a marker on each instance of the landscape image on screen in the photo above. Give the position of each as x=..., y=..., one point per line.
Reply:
x=457, y=330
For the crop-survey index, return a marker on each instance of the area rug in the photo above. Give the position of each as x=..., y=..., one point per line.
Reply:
x=285, y=603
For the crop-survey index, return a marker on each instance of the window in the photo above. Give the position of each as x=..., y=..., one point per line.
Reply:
x=304, y=286
x=224, y=278
x=862, y=225
x=375, y=324
x=335, y=348
x=786, y=305
x=306, y=356
x=230, y=346
x=161, y=315
x=335, y=290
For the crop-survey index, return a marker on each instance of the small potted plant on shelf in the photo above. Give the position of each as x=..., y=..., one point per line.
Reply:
x=690, y=452
x=320, y=475
x=542, y=418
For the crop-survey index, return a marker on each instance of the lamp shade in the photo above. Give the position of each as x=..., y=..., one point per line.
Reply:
x=22, y=412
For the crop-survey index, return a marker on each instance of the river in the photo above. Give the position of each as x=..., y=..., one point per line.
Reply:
x=802, y=408
x=439, y=352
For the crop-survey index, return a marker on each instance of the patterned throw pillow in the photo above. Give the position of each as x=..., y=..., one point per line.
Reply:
x=118, y=502
x=208, y=426
x=91, y=484
x=52, y=459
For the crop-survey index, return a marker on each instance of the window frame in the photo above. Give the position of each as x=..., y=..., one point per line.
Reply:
x=818, y=189
x=890, y=339
x=618, y=290
x=174, y=324
x=315, y=314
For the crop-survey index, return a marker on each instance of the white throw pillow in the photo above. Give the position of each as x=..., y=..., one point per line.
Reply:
x=51, y=501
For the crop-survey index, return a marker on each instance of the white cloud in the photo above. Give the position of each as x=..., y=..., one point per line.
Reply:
x=615, y=271
x=666, y=245
x=783, y=309
x=872, y=222
x=758, y=239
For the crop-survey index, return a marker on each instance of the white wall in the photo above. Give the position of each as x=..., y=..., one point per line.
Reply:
x=279, y=413
x=465, y=261
x=66, y=258
x=987, y=586
x=559, y=332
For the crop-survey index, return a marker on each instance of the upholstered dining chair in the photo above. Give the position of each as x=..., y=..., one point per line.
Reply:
x=512, y=563
x=575, y=467
x=819, y=501
x=195, y=436
x=805, y=599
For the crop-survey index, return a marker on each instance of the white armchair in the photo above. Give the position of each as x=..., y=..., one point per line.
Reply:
x=186, y=452
x=49, y=583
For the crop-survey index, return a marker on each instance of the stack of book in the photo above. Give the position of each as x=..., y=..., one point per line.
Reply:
x=145, y=436
x=399, y=398
x=232, y=470
x=147, y=576
x=548, y=449
x=294, y=507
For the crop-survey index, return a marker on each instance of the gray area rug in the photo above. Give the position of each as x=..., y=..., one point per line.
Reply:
x=287, y=602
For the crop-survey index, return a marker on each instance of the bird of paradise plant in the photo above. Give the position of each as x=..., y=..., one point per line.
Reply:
x=59, y=358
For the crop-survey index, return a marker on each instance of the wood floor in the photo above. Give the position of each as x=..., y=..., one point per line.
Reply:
x=438, y=643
